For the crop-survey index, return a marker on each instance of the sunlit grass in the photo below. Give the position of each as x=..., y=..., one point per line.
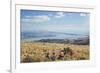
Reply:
x=37, y=52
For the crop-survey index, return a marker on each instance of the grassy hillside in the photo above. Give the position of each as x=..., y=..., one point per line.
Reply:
x=44, y=52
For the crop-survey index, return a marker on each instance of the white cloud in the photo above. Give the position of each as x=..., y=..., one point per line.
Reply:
x=38, y=19
x=41, y=18
x=82, y=14
x=59, y=15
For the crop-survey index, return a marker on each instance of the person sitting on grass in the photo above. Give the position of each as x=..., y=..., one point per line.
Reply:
x=53, y=56
x=61, y=55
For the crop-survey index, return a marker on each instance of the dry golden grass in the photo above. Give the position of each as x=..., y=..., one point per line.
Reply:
x=36, y=51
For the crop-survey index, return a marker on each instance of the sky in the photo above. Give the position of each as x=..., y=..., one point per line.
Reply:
x=56, y=21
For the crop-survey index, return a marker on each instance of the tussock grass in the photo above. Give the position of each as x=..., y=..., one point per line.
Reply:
x=42, y=52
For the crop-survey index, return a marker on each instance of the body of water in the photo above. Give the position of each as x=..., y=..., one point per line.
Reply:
x=34, y=36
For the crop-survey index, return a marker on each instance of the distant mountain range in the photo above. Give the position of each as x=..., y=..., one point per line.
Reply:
x=79, y=41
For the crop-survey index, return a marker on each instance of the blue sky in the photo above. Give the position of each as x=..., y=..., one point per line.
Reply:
x=56, y=21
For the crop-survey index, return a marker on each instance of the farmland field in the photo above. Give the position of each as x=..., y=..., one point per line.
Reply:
x=43, y=52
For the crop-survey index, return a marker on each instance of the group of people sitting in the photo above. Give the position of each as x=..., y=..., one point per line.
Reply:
x=52, y=56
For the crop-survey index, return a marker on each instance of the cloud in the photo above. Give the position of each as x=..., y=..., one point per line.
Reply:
x=41, y=18
x=59, y=15
x=83, y=14
x=36, y=19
